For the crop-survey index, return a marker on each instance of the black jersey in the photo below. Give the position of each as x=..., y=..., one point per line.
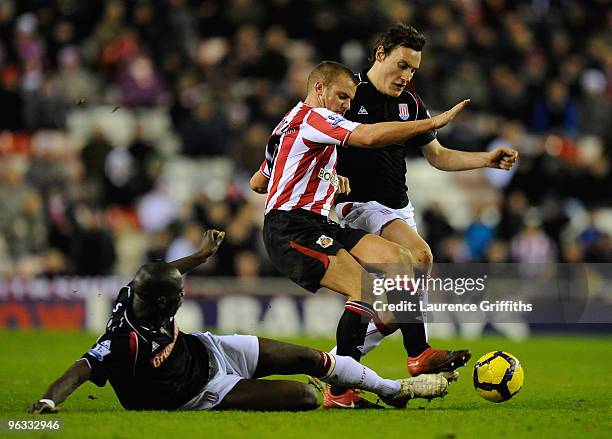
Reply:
x=148, y=368
x=380, y=174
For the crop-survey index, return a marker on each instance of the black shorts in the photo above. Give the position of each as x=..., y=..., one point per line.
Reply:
x=300, y=242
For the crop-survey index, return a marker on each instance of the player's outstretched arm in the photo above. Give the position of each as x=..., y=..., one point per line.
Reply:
x=62, y=388
x=259, y=183
x=381, y=134
x=210, y=244
x=452, y=160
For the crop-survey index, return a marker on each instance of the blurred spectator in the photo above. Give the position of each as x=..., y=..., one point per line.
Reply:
x=508, y=94
x=531, y=245
x=556, y=110
x=93, y=250
x=554, y=220
x=478, y=235
x=94, y=155
x=591, y=237
x=498, y=251
x=186, y=243
x=595, y=107
x=453, y=250
x=26, y=233
x=45, y=107
x=140, y=84
x=79, y=86
x=157, y=209
x=512, y=214
x=438, y=227
x=468, y=82
x=11, y=101
x=206, y=132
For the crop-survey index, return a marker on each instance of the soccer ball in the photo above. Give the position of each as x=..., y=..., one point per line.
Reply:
x=498, y=376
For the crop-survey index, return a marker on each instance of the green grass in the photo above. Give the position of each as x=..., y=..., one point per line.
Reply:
x=567, y=393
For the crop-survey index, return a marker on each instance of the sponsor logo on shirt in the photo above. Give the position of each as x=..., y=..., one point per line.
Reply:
x=158, y=359
x=404, y=114
x=362, y=110
x=329, y=176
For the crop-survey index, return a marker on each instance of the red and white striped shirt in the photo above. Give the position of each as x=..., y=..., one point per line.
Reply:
x=301, y=159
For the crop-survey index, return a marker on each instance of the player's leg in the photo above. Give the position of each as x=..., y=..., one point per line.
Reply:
x=281, y=358
x=253, y=394
x=400, y=232
x=422, y=358
x=398, y=226
x=276, y=357
x=306, y=248
x=347, y=276
x=350, y=274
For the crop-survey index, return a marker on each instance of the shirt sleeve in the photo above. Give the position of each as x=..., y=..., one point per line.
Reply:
x=265, y=169
x=422, y=113
x=325, y=127
x=106, y=355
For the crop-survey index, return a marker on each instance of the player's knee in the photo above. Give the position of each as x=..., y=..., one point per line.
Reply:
x=308, y=398
x=398, y=255
x=422, y=254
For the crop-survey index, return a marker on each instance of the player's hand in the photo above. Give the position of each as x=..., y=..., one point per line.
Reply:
x=343, y=185
x=211, y=241
x=442, y=119
x=42, y=407
x=502, y=158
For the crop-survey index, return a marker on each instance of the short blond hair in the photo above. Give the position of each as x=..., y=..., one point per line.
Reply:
x=329, y=71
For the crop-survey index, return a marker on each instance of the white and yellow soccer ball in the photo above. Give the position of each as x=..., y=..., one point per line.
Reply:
x=498, y=376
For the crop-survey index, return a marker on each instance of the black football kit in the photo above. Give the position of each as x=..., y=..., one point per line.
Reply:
x=149, y=368
x=380, y=174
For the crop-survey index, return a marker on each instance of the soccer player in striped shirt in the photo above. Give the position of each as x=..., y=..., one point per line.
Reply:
x=299, y=177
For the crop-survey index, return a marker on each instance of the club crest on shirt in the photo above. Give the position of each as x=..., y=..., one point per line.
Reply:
x=325, y=241
x=404, y=114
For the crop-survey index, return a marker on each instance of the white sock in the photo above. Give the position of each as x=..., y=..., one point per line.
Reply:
x=349, y=373
x=372, y=339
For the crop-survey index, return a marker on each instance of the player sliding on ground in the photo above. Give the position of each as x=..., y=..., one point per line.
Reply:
x=299, y=176
x=152, y=365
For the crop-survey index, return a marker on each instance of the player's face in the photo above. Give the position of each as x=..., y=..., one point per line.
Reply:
x=174, y=302
x=337, y=95
x=397, y=69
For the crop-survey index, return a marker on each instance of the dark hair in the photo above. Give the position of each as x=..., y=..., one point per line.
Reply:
x=399, y=35
x=328, y=71
x=156, y=279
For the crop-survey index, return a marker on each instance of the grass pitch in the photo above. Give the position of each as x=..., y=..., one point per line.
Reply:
x=567, y=393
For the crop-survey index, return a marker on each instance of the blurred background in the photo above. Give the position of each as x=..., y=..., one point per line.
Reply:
x=129, y=127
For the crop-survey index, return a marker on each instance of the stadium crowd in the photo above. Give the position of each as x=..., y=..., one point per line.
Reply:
x=78, y=199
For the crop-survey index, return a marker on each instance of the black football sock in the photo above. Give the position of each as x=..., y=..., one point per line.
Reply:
x=351, y=332
x=415, y=340
x=410, y=324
